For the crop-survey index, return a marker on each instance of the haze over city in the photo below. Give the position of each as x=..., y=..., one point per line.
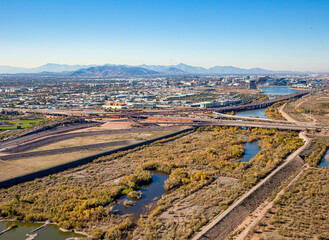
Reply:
x=275, y=35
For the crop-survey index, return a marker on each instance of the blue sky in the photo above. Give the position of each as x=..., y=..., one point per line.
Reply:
x=278, y=34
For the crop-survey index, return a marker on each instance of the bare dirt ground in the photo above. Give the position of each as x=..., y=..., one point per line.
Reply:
x=313, y=109
x=9, y=170
x=121, y=132
x=13, y=168
x=79, y=141
x=46, y=153
x=288, y=117
x=109, y=126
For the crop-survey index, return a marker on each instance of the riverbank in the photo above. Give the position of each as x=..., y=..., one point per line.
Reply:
x=205, y=177
x=225, y=223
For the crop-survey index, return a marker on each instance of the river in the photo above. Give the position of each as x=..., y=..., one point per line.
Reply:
x=279, y=90
x=260, y=113
x=50, y=232
x=325, y=160
x=150, y=195
x=250, y=149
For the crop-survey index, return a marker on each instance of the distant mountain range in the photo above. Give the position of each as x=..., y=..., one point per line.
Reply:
x=111, y=70
x=50, y=67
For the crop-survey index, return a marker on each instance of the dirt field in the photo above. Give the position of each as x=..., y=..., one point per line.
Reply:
x=102, y=139
x=68, y=136
x=310, y=108
x=14, y=168
x=9, y=170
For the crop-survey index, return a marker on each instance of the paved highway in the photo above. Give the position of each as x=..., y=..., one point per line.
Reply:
x=238, y=123
x=241, y=123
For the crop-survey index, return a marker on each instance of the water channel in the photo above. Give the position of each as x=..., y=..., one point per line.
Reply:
x=150, y=195
x=250, y=149
x=325, y=160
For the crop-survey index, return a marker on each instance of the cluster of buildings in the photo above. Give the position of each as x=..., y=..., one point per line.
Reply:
x=149, y=92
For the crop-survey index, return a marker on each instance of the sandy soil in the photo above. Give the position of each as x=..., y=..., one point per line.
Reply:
x=289, y=118
x=163, y=119
x=108, y=126
x=10, y=170
x=309, y=102
x=79, y=141
x=48, y=161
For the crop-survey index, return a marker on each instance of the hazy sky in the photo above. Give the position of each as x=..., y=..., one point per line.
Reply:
x=277, y=34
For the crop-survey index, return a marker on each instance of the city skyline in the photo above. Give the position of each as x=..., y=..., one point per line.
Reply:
x=275, y=35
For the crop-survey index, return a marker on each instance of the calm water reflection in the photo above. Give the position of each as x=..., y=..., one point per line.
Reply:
x=325, y=160
x=279, y=90
x=150, y=195
x=250, y=151
x=50, y=232
x=252, y=113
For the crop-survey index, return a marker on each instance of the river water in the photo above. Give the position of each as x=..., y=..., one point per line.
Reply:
x=50, y=232
x=325, y=160
x=260, y=113
x=250, y=151
x=279, y=90
x=150, y=195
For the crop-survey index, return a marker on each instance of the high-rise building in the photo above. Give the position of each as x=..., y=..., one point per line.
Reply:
x=252, y=84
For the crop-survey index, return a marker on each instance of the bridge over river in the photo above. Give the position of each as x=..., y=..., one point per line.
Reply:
x=261, y=104
x=254, y=124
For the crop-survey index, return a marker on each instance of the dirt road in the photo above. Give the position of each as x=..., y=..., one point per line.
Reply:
x=230, y=219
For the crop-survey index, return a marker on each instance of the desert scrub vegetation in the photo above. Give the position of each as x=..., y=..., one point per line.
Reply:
x=272, y=112
x=302, y=211
x=205, y=177
x=189, y=206
x=315, y=151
